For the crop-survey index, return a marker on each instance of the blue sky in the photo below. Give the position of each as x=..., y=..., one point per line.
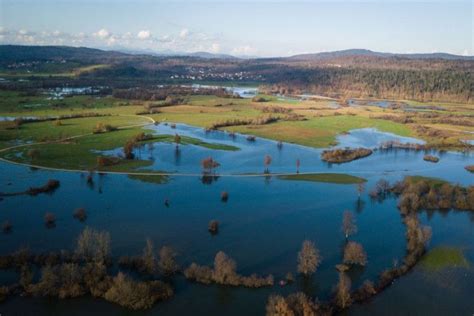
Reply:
x=242, y=27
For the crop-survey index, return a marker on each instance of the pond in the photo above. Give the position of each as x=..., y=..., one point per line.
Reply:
x=262, y=226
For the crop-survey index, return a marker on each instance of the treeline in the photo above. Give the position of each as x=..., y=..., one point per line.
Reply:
x=162, y=93
x=423, y=85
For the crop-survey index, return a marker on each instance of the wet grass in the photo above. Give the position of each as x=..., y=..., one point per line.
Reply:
x=338, y=178
x=444, y=257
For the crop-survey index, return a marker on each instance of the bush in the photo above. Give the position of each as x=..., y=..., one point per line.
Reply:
x=308, y=258
x=103, y=161
x=49, y=219
x=33, y=154
x=49, y=187
x=224, y=273
x=103, y=128
x=294, y=304
x=167, y=262
x=430, y=158
x=224, y=196
x=80, y=214
x=354, y=253
x=7, y=226
x=93, y=244
x=213, y=227
x=136, y=295
x=345, y=155
x=209, y=164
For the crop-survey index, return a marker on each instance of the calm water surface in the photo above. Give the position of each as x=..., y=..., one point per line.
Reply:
x=262, y=225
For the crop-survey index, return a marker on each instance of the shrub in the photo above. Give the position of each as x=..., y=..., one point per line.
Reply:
x=50, y=186
x=294, y=304
x=103, y=161
x=148, y=258
x=469, y=168
x=103, y=128
x=93, y=244
x=224, y=196
x=354, y=253
x=96, y=279
x=430, y=158
x=128, y=149
x=49, y=219
x=209, y=164
x=345, y=155
x=167, y=262
x=71, y=281
x=224, y=272
x=136, y=295
x=308, y=258
x=7, y=226
x=33, y=154
x=80, y=214
x=213, y=227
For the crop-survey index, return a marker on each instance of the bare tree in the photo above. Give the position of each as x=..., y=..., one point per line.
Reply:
x=343, y=291
x=349, y=226
x=308, y=258
x=167, y=262
x=267, y=161
x=177, y=140
x=354, y=253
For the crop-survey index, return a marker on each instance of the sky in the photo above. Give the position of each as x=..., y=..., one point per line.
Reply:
x=243, y=27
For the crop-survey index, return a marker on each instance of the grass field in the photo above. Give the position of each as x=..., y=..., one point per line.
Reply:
x=338, y=178
x=317, y=125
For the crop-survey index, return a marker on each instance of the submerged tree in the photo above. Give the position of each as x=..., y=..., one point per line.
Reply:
x=167, y=262
x=93, y=244
x=128, y=149
x=177, y=140
x=298, y=166
x=354, y=253
x=209, y=164
x=267, y=161
x=349, y=226
x=343, y=291
x=308, y=258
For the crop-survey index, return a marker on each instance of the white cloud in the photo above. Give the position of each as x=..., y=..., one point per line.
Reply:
x=243, y=50
x=184, y=33
x=215, y=48
x=465, y=52
x=144, y=34
x=102, y=33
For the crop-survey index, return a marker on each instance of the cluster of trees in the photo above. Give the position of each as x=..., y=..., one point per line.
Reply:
x=50, y=186
x=171, y=94
x=344, y=155
x=224, y=272
x=85, y=272
x=148, y=263
x=261, y=120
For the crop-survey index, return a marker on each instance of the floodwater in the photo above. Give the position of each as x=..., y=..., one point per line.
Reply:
x=262, y=226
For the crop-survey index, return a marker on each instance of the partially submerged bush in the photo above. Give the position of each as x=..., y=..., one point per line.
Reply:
x=308, y=258
x=213, y=227
x=50, y=186
x=354, y=253
x=345, y=155
x=224, y=272
x=208, y=164
x=167, y=262
x=469, y=168
x=80, y=214
x=224, y=196
x=7, y=226
x=93, y=245
x=136, y=295
x=49, y=219
x=293, y=305
x=430, y=158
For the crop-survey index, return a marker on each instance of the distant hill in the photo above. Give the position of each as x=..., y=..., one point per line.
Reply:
x=369, y=53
